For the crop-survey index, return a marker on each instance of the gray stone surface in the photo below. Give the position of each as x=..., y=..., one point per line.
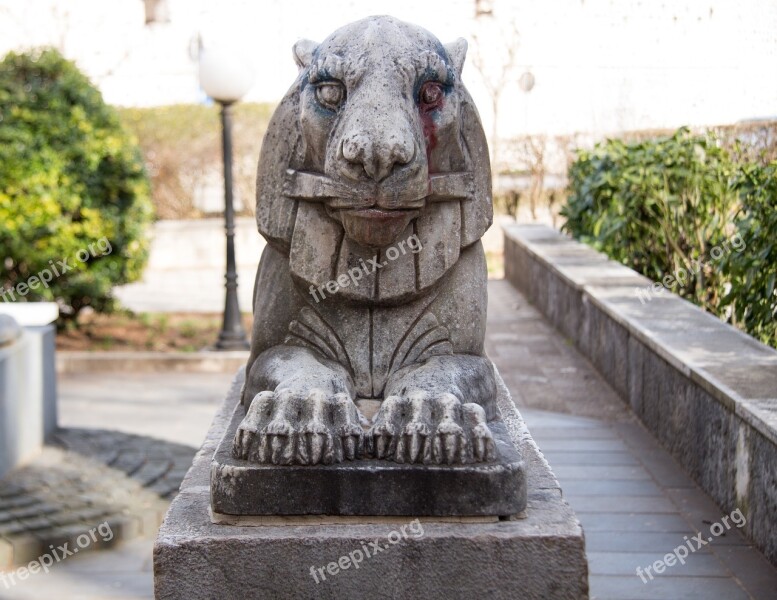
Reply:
x=539, y=556
x=366, y=486
x=707, y=391
x=9, y=330
x=373, y=192
x=175, y=407
x=599, y=450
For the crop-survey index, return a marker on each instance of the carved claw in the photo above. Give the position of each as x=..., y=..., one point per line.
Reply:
x=483, y=445
x=348, y=430
x=261, y=409
x=413, y=444
x=424, y=429
x=450, y=442
x=283, y=429
x=382, y=436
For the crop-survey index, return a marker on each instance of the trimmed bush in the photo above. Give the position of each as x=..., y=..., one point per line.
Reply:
x=72, y=187
x=664, y=205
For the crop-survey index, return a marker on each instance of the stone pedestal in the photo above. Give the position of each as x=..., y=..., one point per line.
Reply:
x=538, y=554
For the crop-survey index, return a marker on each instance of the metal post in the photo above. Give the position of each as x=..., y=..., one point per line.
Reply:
x=232, y=336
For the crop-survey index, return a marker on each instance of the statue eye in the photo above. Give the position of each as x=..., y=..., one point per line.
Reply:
x=330, y=94
x=430, y=96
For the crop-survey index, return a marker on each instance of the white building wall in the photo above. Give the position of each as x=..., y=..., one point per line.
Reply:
x=599, y=65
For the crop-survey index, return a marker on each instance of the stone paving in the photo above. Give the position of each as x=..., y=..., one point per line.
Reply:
x=61, y=496
x=156, y=465
x=635, y=503
x=97, y=474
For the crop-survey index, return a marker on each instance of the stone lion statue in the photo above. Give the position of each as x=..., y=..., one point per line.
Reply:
x=373, y=192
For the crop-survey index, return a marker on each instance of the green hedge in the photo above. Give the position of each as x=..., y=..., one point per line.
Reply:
x=181, y=146
x=683, y=204
x=73, y=190
x=753, y=298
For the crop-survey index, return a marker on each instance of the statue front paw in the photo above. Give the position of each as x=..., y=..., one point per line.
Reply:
x=420, y=428
x=284, y=428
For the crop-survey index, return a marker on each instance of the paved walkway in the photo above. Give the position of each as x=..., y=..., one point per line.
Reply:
x=635, y=503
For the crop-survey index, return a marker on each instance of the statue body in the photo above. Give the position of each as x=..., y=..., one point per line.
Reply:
x=373, y=192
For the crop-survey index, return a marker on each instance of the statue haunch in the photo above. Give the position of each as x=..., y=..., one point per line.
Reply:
x=373, y=193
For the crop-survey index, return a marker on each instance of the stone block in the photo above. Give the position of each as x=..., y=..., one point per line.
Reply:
x=6, y=554
x=541, y=555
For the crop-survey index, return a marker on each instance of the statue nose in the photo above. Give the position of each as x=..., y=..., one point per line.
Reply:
x=378, y=158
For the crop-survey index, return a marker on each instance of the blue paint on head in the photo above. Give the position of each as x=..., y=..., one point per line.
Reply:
x=430, y=74
x=443, y=53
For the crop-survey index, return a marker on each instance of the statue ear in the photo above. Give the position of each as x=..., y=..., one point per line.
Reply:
x=303, y=52
x=457, y=52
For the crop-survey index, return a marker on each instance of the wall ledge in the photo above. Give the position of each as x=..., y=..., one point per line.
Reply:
x=706, y=390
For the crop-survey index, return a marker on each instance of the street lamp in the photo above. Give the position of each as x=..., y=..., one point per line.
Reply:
x=226, y=78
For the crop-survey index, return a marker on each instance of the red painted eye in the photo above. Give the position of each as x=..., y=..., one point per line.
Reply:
x=431, y=96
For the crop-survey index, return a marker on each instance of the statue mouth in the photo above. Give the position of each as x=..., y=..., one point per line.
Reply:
x=341, y=195
x=374, y=215
x=376, y=227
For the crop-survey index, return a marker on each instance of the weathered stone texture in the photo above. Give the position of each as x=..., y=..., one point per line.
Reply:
x=539, y=556
x=373, y=191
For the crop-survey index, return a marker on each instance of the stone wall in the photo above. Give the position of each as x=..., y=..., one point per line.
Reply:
x=707, y=391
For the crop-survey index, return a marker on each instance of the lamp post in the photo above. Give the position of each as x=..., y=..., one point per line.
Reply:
x=226, y=79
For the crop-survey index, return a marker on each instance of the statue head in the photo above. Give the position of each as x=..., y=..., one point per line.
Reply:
x=376, y=141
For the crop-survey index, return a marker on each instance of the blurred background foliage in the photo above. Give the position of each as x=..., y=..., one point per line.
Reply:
x=181, y=146
x=70, y=174
x=658, y=205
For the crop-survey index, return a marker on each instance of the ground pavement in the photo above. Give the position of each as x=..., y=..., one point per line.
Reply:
x=635, y=503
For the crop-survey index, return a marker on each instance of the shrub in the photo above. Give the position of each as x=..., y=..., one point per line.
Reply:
x=752, y=274
x=70, y=176
x=660, y=205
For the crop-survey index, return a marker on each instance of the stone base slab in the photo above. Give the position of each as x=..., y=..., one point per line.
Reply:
x=539, y=556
